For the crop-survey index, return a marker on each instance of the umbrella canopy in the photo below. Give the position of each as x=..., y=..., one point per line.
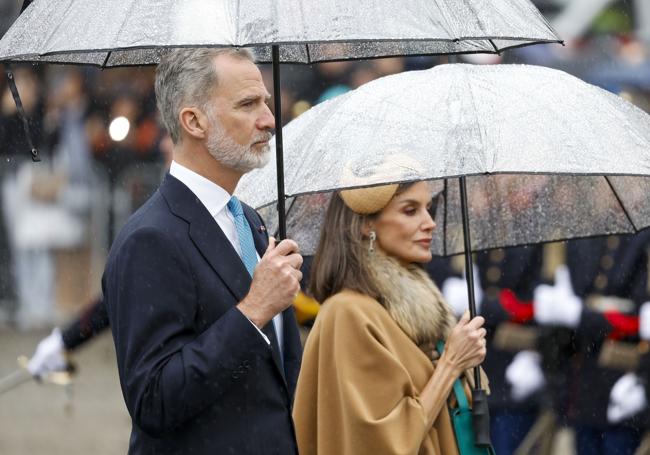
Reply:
x=124, y=32
x=547, y=156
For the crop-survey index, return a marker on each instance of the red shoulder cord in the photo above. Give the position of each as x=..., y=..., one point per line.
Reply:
x=519, y=310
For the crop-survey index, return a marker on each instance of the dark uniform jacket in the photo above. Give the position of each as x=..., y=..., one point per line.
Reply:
x=611, y=267
x=508, y=277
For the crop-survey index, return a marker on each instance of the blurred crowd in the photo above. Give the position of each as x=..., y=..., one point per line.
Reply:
x=104, y=151
x=102, y=145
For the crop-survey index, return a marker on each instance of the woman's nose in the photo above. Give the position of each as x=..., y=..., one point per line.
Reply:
x=428, y=224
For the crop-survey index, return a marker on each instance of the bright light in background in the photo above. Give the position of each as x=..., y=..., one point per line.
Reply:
x=119, y=128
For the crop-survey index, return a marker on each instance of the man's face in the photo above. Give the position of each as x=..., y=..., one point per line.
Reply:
x=240, y=120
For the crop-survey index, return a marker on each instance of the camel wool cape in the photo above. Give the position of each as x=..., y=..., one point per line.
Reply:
x=358, y=388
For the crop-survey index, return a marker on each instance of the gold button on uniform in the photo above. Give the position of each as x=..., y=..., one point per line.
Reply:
x=607, y=262
x=493, y=274
x=613, y=242
x=497, y=255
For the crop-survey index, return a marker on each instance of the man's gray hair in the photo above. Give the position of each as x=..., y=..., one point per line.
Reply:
x=187, y=77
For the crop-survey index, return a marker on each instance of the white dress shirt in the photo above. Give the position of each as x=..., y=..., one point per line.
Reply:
x=215, y=198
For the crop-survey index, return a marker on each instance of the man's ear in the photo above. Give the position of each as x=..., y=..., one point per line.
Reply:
x=194, y=122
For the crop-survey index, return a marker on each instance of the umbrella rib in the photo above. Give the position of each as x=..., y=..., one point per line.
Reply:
x=108, y=55
x=620, y=202
x=443, y=10
x=308, y=53
x=237, y=17
x=478, y=122
x=124, y=21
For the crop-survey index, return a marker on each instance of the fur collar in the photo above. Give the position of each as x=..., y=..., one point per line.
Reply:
x=412, y=299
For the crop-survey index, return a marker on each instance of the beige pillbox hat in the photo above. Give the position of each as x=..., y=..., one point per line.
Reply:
x=372, y=199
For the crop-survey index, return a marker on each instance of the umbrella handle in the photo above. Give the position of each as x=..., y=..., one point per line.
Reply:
x=481, y=418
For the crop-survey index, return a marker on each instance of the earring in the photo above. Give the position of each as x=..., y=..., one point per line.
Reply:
x=373, y=237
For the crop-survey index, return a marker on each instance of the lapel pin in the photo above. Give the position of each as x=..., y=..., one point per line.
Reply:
x=261, y=229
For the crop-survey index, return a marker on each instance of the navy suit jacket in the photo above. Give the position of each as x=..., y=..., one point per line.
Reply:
x=196, y=375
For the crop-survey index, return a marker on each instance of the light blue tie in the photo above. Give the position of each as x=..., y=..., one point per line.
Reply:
x=248, y=252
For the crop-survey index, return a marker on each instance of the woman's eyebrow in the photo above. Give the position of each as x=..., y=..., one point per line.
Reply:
x=410, y=201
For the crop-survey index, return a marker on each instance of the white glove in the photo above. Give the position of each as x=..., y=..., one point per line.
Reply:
x=525, y=375
x=557, y=304
x=644, y=321
x=49, y=355
x=455, y=291
x=626, y=398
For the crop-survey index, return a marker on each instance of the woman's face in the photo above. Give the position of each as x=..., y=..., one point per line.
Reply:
x=404, y=227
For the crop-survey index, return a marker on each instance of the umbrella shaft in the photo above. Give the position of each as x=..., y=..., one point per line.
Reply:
x=279, y=153
x=469, y=270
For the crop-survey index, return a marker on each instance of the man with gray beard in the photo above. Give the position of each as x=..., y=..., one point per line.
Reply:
x=198, y=297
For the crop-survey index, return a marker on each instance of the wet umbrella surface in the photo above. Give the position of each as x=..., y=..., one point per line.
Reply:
x=119, y=33
x=547, y=156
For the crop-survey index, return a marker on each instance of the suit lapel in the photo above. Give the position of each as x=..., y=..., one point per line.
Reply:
x=217, y=249
x=207, y=236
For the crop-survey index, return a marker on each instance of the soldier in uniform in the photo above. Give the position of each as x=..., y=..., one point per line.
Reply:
x=508, y=277
x=599, y=296
x=52, y=351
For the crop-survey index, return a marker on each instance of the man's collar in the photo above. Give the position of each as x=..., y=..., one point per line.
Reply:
x=211, y=195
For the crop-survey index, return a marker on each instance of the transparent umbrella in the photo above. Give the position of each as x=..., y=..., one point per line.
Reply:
x=546, y=156
x=539, y=156
x=124, y=32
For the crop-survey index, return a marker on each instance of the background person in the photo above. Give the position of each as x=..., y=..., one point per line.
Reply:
x=598, y=295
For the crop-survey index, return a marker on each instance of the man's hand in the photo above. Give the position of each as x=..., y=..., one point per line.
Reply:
x=49, y=356
x=276, y=282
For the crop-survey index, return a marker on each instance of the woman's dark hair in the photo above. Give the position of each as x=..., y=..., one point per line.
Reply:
x=341, y=259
